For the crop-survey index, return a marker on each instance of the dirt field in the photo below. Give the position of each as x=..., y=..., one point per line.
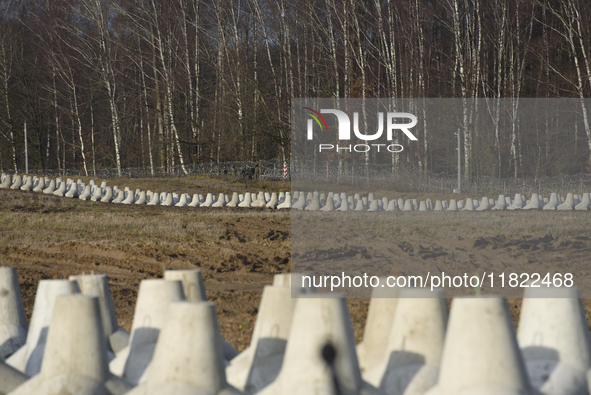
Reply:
x=237, y=250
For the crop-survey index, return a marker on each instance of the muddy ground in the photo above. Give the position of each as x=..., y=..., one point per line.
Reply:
x=238, y=250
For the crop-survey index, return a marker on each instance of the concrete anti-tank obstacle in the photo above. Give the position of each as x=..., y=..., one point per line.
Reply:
x=569, y=203
x=438, y=206
x=13, y=321
x=75, y=359
x=453, y=205
x=182, y=201
x=155, y=200
x=28, y=184
x=120, y=197
x=585, y=203
x=72, y=191
x=246, y=202
x=27, y=359
x=554, y=338
x=10, y=378
x=517, y=203
x=17, y=181
x=61, y=189
x=300, y=203
x=460, y=205
x=392, y=205
x=167, y=200
x=469, y=205
x=258, y=365
x=194, y=201
x=534, y=203
x=108, y=197
x=360, y=206
x=329, y=206
x=480, y=352
x=194, y=290
x=175, y=198
x=422, y=206
x=97, y=195
x=344, y=205
x=378, y=325
x=7, y=182
x=259, y=201
x=221, y=202
x=187, y=359
x=501, y=203
x=408, y=206
x=129, y=197
x=97, y=285
x=192, y=281
x=317, y=322
x=374, y=206
x=143, y=198
x=85, y=194
x=553, y=203
x=415, y=344
x=484, y=204
x=50, y=189
x=154, y=298
x=314, y=204
x=234, y=201
x=273, y=201
x=43, y=183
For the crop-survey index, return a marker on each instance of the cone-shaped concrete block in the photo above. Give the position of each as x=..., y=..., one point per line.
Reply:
x=154, y=298
x=554, y=338
x=97, y=285
x=13, y=321
x=484, y=204
x=415, y=344
x=17, y=181
x=314, y=204
x=392, y=205
x=10, y=378
x=453, y=205
x=192, y=281
x=43, y=183
x=273, y=201
x=208, y=201
x=569, y=203
x=50, y=189
x=182, y=201
x=235, y=201
x=534, y=203
x=585, y=202
x=29, y=357
x=154, y=200
x=96, y=195
x=518, y=203
x=108, y=195
x=501, y=203
x=378, y=325
x=438, y=206
x=316, y=322
x=85, y=194
x=258, y=365
x=75, y=359
x=7, y=182
x=246, y=202
x=480, y=353
x=287, y=202
x=221, y=202
x=28, y=184
x=374, y=206
x=408, y=205
x=194, y=201
x=188, y=359
x=360, y=206
x=553, y=203
x=329, y=205
x=120, y=197
x=129, y=197
x=72, y=191
x=469, y=205
x=259, y=201
x=168, y=200
x=61, y=189
x=142, y=199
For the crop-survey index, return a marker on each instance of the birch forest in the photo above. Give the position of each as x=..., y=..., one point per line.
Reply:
x=174, y=83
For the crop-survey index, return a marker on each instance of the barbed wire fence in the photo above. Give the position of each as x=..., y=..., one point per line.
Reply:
x=354, y=174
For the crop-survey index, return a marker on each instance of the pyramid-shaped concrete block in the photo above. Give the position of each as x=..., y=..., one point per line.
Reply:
x=13, y=321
